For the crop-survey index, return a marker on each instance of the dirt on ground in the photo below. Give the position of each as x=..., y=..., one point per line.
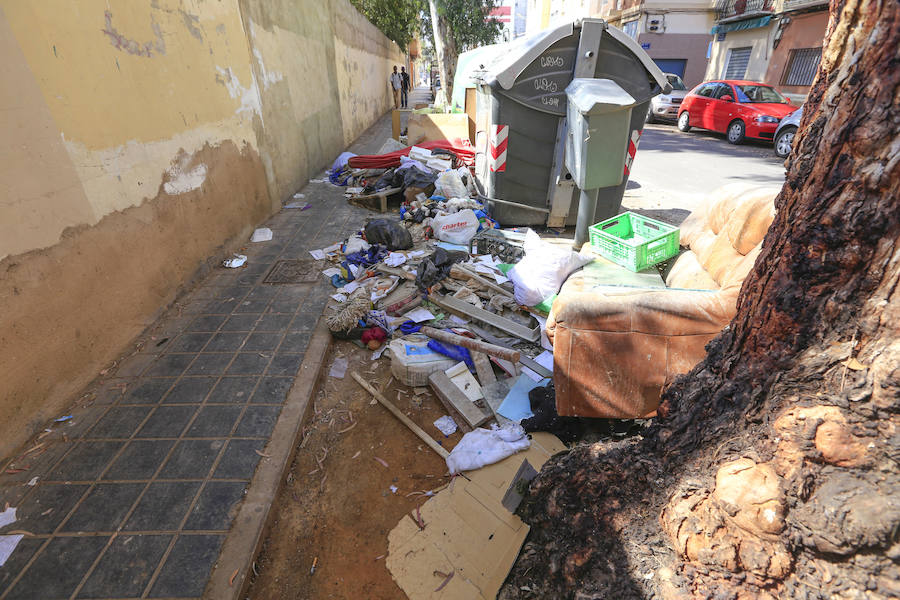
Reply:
x=338, y=504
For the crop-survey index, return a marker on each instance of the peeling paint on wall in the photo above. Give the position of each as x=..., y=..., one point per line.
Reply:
x=249, y=96
x=135, y=47
x=182, y=181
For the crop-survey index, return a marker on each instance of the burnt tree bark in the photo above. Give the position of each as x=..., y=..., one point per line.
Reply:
x=773, y=469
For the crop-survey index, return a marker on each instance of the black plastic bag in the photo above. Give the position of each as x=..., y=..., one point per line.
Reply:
x=436, y=267
x=388, y=233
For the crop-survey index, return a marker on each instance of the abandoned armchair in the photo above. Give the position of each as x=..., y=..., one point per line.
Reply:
x=616, y=346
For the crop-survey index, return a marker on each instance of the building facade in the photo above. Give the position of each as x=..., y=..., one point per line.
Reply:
x=778, y=42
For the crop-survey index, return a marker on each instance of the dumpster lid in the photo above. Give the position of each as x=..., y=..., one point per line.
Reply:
x=598, y=96
x=522, y=53
x=629, y=42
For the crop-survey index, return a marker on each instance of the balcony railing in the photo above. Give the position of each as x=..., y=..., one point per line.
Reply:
x=728, y=9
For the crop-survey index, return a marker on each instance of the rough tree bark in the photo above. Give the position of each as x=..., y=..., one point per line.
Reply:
x=445, y=49
x=773, y=469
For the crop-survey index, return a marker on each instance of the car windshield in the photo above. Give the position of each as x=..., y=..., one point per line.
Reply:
x=758, y=94
x=676, y=82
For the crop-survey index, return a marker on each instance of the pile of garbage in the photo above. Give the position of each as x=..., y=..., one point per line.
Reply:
x=417, y=291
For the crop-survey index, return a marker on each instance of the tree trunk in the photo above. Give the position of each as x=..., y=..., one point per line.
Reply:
x=445, y=49
x=772, y=470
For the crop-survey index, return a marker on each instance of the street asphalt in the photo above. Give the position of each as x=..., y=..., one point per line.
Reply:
x=675, y=170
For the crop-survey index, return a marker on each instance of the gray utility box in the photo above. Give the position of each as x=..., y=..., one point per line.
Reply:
x=599, y=118
x=521, y=125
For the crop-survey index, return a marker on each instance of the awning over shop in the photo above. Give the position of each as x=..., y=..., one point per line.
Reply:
x=739, y=25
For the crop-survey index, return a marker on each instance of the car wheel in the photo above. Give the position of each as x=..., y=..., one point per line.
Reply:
x=684, y=123
x=783, y=141
x=736, y=132
x=650, y=118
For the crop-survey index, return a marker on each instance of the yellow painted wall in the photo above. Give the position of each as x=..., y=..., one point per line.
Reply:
x=137, y=139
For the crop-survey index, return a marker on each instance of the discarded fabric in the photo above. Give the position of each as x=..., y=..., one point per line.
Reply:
x=482, y=447
x=388, y=233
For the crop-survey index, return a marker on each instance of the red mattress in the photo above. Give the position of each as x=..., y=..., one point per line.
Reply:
x=461, y=147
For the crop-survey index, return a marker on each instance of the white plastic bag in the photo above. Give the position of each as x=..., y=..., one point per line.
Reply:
x=236, y=261
x=543, y=270
x=482, y=447
x=457, y=228
x=263, y=234
x=450, y=185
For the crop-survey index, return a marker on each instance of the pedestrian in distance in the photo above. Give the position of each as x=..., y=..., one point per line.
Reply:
x=404, y=87
x=396, y=81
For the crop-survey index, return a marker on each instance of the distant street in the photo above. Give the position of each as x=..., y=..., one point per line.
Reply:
x=675, y=170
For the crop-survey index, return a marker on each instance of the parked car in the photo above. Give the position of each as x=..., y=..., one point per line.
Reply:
x=664, y=107
x=784, y=135
x=739, y=109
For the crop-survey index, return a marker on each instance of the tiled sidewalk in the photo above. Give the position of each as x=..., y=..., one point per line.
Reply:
x=134, y=495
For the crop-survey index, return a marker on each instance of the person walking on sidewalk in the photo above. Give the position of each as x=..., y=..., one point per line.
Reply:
x=404, y=87
x=396, y=81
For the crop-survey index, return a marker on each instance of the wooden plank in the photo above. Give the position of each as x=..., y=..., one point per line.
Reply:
x=465, y=309
x=536, y=367
x=460, y=272
x=456, y=403
x=394, y=271
x=483, y=368
x=403, y=418
x=476, y=345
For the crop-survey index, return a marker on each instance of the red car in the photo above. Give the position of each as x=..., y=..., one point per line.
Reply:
x=738, y=109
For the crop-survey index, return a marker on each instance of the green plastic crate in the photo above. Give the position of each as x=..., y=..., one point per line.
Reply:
x=634, y=241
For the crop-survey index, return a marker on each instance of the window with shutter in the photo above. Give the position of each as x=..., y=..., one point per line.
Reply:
x=802, y=66
x=738, y=59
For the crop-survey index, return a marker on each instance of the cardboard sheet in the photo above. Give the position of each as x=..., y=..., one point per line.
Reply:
x=467, y=532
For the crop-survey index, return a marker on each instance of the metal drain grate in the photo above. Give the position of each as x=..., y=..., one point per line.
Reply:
x=294, y=271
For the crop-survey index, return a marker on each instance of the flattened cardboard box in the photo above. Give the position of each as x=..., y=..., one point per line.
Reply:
x=467, y=532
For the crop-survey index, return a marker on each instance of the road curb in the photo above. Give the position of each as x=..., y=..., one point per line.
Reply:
x=229, y=578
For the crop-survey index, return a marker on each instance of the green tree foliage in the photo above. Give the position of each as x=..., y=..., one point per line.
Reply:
x=467, y=20
x=397, y=19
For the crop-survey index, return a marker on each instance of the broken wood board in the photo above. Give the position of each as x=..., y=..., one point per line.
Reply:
x=483, y=368
x=467, y=532
x=436, y=126
x=465, y=309
x=463, y=379
x=463, y=410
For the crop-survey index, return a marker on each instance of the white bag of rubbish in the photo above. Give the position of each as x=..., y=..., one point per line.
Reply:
x=450, y=185
x=457, y=228
x=263, y=234
x=543, y=270
x=481, y=447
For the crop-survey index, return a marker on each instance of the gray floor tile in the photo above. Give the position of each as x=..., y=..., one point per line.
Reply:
x=258, y=421
x=214, y=421
x=58, y=569
x=126, y=567
x=120, y=422
x=104, y=507
x=216, y=506
x=167, y=421
x=134, y=365
x=189, y=342
x=206, y=323
x=163, y=506
x=296, y=341
x=240, y=459
x=274, y=322
x=139, y=460
x=285, y=364
x=240, y=323
x=192, y=459
x=250, y=363
x=227, y=341
x=17, y=561
x=186, y=570
x=272, y=390
x=147, y=391
x=210, y=364
x=85, y=462
x=262, y=342
x=233, y=390
x=190, y=390
x=44, y=510
x=169, y=365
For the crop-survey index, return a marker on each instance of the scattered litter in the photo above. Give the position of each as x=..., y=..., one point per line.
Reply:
x=237, y=261
x=516, y=406
x=377, y=353
x=263, y=454
x=419, y=315
x=331, y=272
x=395, y=259
x=446, y=577
x=65, y=418
x=358, y=452
x=299, y=195
x=341, y=298
x=317, y=254
x=332, y=248
x=545, y=359
x=338, y=368
x=446, y=425
x=312, y=569
x=33, y=481
x=388, y=233
x=7, y=517
x=8, y=545
x=381, y=462
x=394, y=489
x=263, y=234
x=318, y=181
x=482, y=447
x=462, y=378
x=300, y=205
x=458, y=320
x=854, y=365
